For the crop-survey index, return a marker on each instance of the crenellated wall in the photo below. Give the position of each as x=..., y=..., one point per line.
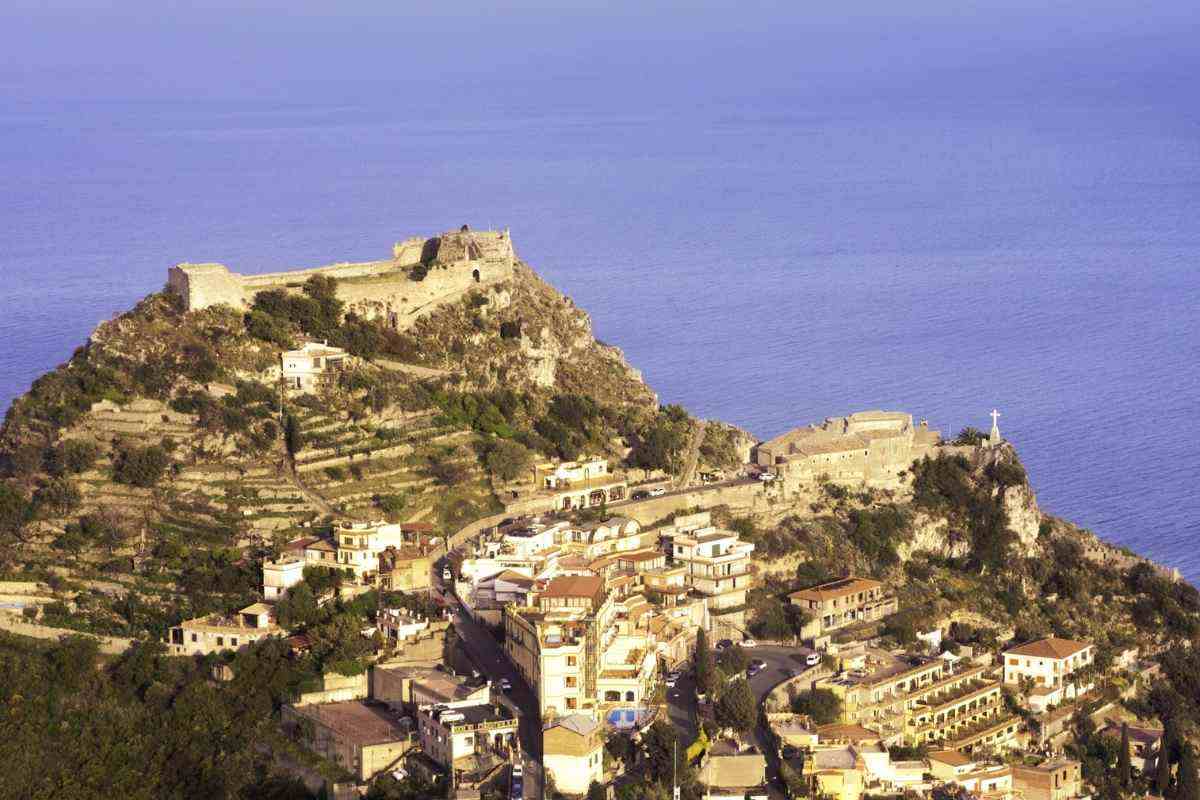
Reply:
x=453, y=264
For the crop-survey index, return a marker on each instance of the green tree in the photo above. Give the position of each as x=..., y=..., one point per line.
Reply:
x=733, y=660
x=737, y=709
x=509, y=460
x=1187, y=785
x=73, y=457
x=1124, y=769
x=292, y=436
x=821, y=705
x=1162, y=766
x=143, y=467
x=15, y=511
x=59, y=496
x=706, y=668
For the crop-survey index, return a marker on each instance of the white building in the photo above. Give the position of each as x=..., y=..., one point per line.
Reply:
x=573, y=752
x=452, y=732
x=213, y=633
x=360, y=543
x=716, y=565
x=1048, y=663
x=306, y=368
x=281, y=575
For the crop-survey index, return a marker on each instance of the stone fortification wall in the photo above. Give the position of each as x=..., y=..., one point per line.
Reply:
x=453, y=263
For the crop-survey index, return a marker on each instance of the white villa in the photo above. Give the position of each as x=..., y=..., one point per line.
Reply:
x=304, y=369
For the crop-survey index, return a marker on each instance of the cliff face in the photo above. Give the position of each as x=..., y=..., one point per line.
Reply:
x=523, y=334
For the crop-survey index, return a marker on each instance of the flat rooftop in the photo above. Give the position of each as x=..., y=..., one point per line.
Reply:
x=356, y=721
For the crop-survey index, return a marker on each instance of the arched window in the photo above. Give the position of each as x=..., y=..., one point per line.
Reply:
x=475, y=275
x=629, y=696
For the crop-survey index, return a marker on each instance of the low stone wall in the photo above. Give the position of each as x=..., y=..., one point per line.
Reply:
x=109, y=645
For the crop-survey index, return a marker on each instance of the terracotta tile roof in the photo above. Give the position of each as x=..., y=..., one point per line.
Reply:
x=575, y=586
x=1049, y=648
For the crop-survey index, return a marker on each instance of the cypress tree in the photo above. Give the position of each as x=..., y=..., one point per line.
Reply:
x=705, y=667
x=1124, y=769
x=1187, y=787
x=1162, y=772
x=292, y=436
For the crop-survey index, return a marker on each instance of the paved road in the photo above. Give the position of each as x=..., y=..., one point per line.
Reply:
x=489, y=657
x=781, y=663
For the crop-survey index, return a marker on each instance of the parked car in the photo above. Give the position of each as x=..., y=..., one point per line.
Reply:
x=766, y=477
x=812, y=659
x=657, y=491
x=640, y=494
x=757, y=662
x=723, y=644
x=672, y=679
x=505, y=685
x=748, y=643
x=753, y=670
x=447, y=575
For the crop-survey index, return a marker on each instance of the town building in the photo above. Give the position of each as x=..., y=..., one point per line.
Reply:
x=406, y=688
x=919, y=700
x=586, y=483
x=363, y=738
x=1046, y=665
x=311, y=365
x=282, y=574
x=214, y=632
x=730, y=773
x=573, y=753
x=1057, y=779
x=871, y=448
x=461, y=735
x=580, y=648
x=408, y=568
x=716, y=566
x=841, y=603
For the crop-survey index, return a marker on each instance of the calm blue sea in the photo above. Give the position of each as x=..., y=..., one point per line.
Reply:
x=1029, y=241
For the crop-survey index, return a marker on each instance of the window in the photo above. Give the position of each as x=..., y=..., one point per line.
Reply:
x=220, y=641
x=571, y=702
x=571, y=683
x=194, y=638
x=233, y=641
x=571, y=661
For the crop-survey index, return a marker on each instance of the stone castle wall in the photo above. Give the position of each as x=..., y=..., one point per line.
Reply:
x=457, y=262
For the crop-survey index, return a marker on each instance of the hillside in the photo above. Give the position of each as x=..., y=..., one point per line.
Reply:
x=156, y=459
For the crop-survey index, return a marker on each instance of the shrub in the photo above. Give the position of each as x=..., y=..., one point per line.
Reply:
x=509, y=460
x=142, y=466
x=390, y=504
x=60, y=496
x=510, y=329
x=821, y=705
x=335, y=473
x=73, y=457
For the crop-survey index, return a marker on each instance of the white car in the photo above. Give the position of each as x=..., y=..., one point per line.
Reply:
x=766, y=477
x=447, y=575
x=657, y=491
x=505, y=685
x=812, y=659
x=748, y=643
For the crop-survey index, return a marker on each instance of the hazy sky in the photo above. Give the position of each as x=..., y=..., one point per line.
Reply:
x=588, y=52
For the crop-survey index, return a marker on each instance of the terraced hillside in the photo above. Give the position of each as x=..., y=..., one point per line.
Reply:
x=147, y=477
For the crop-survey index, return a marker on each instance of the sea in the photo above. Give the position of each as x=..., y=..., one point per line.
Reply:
x=769, y=249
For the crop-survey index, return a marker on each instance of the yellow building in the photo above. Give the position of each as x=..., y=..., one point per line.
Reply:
x=924, y=701
x=573, y=752
x=364, y=739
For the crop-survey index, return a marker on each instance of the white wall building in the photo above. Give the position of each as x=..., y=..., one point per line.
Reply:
x=1049, y=663
x=304, y=369
x=281, y=575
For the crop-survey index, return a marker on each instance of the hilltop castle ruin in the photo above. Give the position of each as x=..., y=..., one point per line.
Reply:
x=868, y=448
x=422, y=274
